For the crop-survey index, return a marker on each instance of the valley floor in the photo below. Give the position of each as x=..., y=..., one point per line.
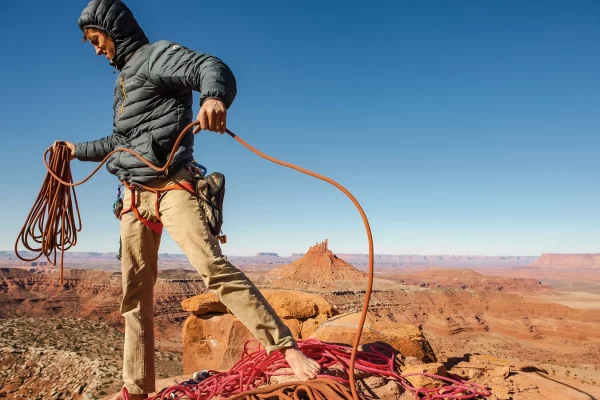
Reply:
x=48, y=358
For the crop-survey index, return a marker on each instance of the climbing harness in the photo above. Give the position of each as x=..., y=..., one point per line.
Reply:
x=155, y=226
x=51, y=224
x=209, y=190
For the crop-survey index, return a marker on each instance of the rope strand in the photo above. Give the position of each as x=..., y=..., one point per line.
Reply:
x=51, y=223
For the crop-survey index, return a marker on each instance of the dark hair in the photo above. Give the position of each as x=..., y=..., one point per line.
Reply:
x=86, y=30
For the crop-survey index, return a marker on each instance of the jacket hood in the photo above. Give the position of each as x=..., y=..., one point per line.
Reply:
x=114, y=18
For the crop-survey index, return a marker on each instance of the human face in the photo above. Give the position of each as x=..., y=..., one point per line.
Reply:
x=103, y=45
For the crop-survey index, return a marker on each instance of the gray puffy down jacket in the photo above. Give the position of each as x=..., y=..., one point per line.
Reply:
x=152, y=95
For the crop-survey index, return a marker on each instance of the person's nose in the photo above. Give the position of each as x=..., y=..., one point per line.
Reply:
x=98, y=50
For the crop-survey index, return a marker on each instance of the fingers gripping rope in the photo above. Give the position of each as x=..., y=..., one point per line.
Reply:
x=51, y=224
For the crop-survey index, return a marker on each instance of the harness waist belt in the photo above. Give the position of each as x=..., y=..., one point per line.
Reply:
x=154, y=226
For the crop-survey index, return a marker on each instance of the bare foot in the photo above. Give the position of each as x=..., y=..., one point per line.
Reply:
x=303, y=367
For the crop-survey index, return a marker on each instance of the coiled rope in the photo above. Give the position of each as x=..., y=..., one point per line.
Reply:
x=51, y=224
x=255, y=368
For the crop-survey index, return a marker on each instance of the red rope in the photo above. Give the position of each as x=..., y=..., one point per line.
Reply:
x=256, y=367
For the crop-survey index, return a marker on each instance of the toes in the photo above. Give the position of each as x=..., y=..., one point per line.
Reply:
x=315, y=366
x=311, y=372
x=301, y=376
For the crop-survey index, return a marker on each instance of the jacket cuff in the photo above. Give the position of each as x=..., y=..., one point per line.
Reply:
x=211, y=97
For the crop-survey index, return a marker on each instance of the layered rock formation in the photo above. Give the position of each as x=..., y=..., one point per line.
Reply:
x=318, y=268
x=450, y=312
x=568, y=261
x=90, y=294
x=468, y=279
x=214, y=339
x=407, y=339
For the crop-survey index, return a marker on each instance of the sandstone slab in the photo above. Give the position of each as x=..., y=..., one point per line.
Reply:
x=212, y=341
x=298, y=305
x=406, y=339
x=422, y=381
x=203, y=304
x=310, y=325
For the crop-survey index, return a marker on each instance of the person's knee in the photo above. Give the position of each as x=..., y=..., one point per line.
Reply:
x=229, y=277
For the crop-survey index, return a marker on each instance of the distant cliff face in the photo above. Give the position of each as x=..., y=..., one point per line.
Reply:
x=90, y=294
x=568, y=261
x=438, y=278
x=445, y=260
x=267, y=260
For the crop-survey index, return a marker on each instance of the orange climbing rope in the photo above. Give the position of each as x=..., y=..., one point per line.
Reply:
x=51, y=223
x=369, y=237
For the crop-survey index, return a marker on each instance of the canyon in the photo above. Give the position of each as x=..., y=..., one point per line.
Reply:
x=507, y=308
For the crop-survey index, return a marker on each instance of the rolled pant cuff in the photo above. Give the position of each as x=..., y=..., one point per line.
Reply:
x=285, y=343
x=134, y=389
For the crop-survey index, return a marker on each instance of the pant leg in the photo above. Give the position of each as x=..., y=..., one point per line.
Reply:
x=139, y=265
x=184, y=219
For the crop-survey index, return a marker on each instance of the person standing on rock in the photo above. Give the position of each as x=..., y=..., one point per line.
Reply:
x=152, y=104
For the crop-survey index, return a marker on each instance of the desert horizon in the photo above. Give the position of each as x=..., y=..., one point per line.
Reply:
x=470, y=314
x=277, y=144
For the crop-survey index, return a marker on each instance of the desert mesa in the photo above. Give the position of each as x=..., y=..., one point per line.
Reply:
x=472, y=316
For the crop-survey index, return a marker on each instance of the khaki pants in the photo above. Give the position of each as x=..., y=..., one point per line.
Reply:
x=183, y=218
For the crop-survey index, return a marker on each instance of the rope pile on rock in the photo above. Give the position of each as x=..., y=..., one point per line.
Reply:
x=51, y=224
x=246, y=379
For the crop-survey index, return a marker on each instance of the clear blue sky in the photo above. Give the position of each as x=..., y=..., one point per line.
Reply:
x=461, y=127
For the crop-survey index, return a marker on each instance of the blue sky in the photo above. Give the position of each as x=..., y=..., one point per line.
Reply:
x=461, y=127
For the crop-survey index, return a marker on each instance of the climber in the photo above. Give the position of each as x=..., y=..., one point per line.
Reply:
x=152, y=104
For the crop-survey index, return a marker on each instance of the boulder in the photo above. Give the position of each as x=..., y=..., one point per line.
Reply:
x=390, y=391
x=203, y=304
x=295, y=327
x=298, y=305
x=503, y=372
x=310, y=325
x=212, y=341
x=287, y=304
x=406, y=339
x=422, y=381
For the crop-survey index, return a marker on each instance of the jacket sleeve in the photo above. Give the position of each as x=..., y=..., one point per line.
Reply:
x=96, y=150
x=175, y=67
